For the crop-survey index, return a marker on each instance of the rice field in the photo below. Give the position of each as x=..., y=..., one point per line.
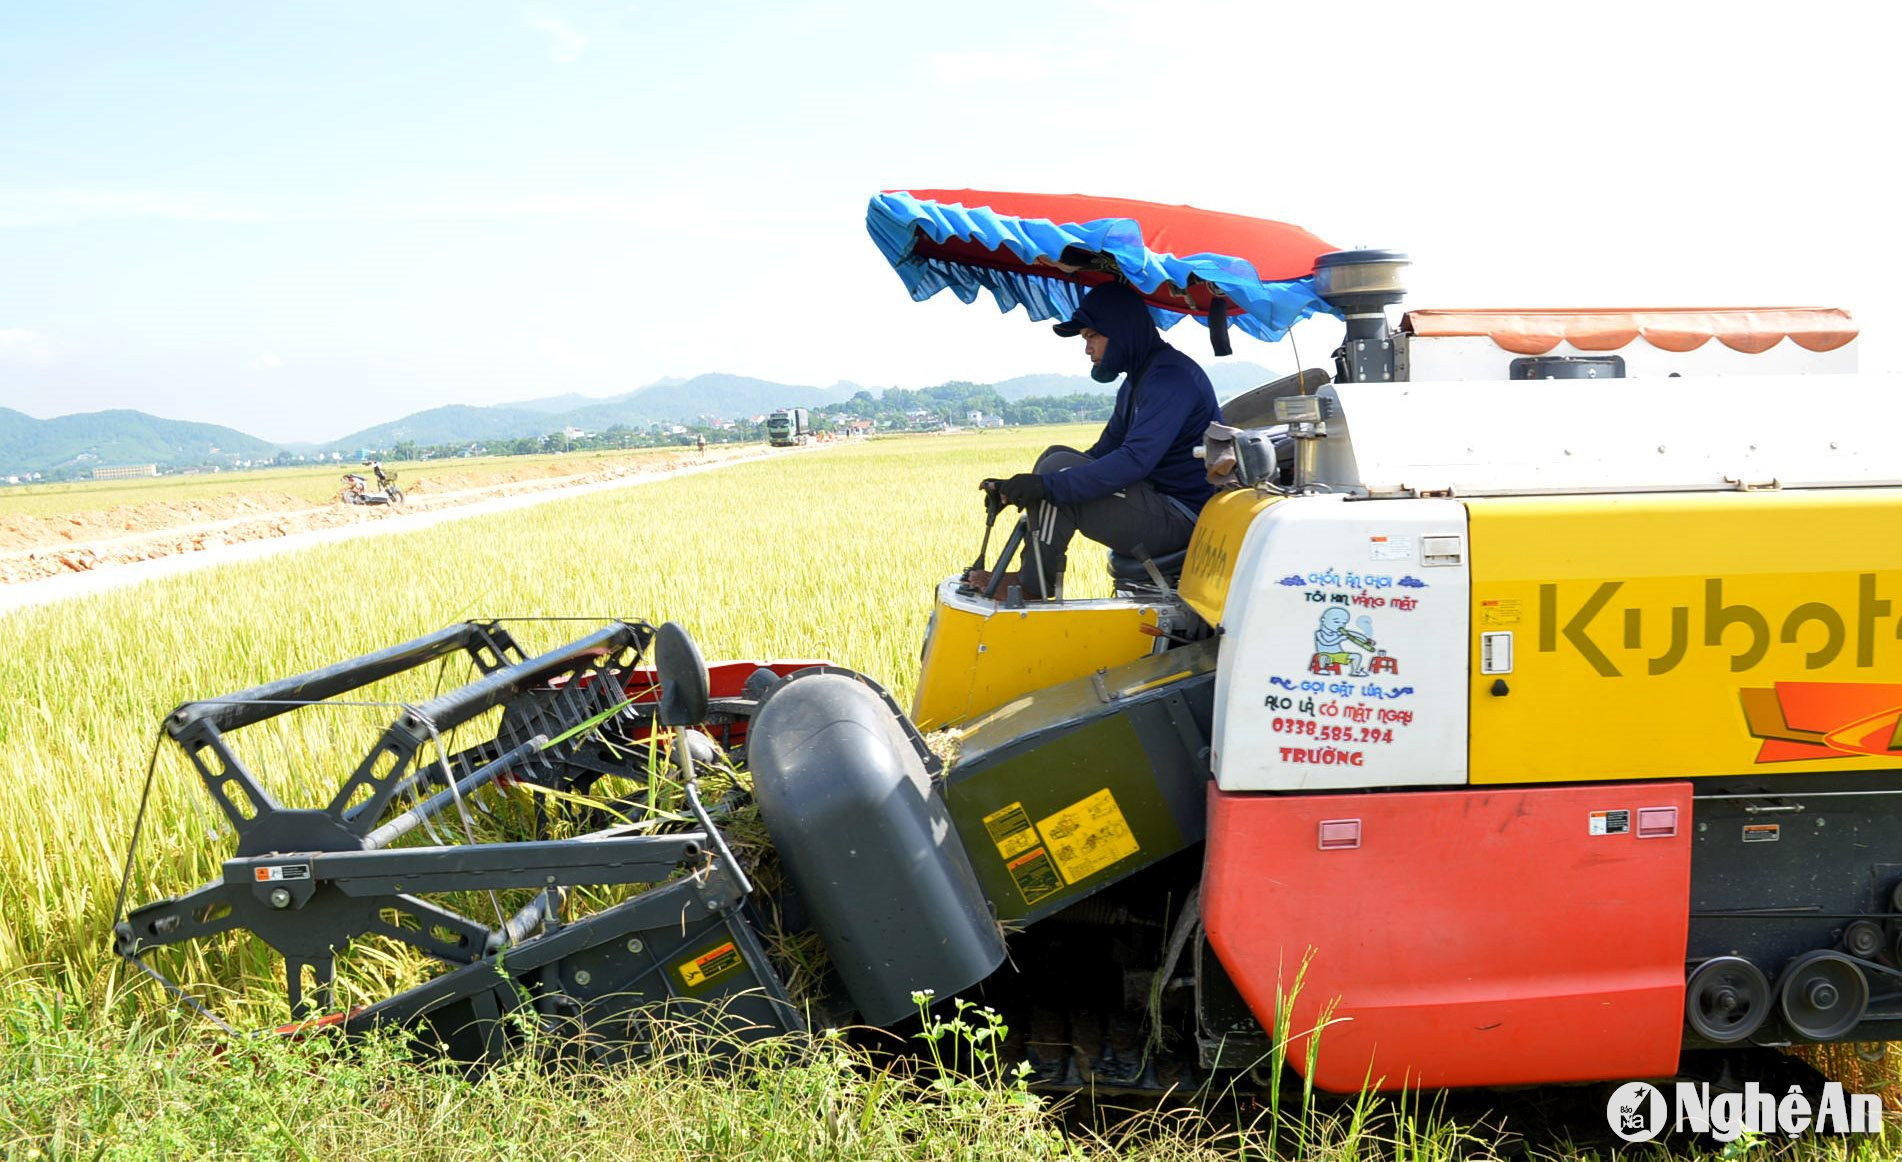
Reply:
x=832, y=555
x=313, y=483
x=829, y=556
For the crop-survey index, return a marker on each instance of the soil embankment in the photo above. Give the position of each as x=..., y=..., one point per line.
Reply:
x=36, y=548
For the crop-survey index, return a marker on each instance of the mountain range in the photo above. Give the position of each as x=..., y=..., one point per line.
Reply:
x=131, y=437
x=120, y=437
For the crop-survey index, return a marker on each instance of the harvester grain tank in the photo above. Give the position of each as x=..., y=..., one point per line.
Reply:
x=1537, y=751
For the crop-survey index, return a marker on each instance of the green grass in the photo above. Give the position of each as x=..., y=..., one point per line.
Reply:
x=832, y=555
x=73, y=1085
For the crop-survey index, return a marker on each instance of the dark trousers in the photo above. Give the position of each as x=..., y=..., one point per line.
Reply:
x=1135, y=522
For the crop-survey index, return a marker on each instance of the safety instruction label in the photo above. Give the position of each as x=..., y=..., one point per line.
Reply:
x=282, y=871
x=1010, y=830
x=1762, y=832
x=1390, y=548
x=1610, y=822
x=1034, y=875
x=1087, y=836
x=1500, y=611
x=711, y=966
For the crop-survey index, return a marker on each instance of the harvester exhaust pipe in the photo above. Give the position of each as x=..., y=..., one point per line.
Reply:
x=1362, y=284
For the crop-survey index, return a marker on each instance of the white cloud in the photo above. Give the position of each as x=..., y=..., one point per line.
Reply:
x=565, y=42
x=267, y=361
x=18, y=345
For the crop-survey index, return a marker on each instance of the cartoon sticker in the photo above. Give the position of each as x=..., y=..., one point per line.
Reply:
x=1343, y=700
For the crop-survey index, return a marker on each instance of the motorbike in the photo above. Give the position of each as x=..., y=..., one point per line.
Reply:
x=357, y=490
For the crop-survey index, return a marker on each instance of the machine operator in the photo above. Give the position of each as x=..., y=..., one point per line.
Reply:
x=1139, y=488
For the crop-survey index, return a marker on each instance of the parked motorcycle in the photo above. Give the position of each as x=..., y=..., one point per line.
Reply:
x=357, y=490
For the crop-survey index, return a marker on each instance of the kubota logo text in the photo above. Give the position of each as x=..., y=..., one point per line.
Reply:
x=1824, y=631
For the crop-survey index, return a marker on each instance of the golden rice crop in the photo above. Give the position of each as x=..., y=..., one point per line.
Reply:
x=831, y=555
x=314, y=483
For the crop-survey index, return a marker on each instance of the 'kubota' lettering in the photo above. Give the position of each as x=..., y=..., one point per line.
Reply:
x=1575, y=628
x=1746, y=631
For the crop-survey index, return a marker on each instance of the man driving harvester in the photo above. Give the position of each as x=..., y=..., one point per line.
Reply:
x=1139, y=488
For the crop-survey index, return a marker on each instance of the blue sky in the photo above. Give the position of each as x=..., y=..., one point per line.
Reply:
x=302, y=218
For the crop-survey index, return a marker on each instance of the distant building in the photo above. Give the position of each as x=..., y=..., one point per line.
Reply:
x=125, y=472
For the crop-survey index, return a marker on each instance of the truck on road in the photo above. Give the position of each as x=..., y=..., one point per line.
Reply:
x=788, y=427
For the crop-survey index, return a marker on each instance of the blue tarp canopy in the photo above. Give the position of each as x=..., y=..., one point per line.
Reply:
x=1042, y=251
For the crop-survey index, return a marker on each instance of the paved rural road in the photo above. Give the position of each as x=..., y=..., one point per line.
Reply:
x=25, y=594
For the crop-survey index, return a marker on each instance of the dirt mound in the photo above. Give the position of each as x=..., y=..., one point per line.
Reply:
x=35, y=547
x=33, y=532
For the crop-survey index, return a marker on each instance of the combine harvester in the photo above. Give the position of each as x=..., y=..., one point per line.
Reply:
x=1538, y=752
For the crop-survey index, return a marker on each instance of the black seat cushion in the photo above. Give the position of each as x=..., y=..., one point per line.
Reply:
x=1131, y=568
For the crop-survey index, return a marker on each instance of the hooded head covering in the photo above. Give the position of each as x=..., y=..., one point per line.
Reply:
x=1115, y=309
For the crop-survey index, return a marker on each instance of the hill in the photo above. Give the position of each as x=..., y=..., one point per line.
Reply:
x=87, y=440
x=96, y=439
x=1230, y=377
x=666, y=401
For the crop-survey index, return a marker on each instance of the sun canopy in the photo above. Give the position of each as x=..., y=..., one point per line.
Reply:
x=1042, y=251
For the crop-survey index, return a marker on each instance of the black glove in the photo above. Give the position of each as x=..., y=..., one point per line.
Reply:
x=993, y=502
x=1022, y=490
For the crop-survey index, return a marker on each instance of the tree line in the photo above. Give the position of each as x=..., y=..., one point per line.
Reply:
x=892, y=410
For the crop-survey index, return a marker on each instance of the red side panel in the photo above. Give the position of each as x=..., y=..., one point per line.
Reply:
x=1495, y=937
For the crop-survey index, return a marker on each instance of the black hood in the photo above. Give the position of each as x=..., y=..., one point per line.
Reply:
x=1116, y=310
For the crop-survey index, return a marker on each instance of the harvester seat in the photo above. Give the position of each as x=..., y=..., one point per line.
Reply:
x=1130, y=571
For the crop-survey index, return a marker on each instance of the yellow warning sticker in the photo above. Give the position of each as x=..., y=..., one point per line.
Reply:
x=1088, y=836
x=711, y=966
x=1034, y=875
x=1499, y=611
x=1010, y=830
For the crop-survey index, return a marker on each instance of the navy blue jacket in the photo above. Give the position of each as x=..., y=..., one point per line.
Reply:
x=1162, y=408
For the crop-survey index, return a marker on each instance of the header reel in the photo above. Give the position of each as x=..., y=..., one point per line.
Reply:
x=525, y=910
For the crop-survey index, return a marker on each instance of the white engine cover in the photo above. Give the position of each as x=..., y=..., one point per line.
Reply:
x=1344, y=653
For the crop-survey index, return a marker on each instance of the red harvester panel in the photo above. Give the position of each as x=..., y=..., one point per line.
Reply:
x=1495, y=937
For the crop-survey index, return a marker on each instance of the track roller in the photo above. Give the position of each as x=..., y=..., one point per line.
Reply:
x=1726, y=999
x=1823, y=995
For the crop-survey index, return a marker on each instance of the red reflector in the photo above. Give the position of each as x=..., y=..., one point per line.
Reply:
x=1339, y=834
x=328, y=1020
x=1657, y=822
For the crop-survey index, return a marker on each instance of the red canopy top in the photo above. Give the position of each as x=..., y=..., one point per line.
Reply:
x=1276, y=250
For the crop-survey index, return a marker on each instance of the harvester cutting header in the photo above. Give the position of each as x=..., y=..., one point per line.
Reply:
x=1552, y=750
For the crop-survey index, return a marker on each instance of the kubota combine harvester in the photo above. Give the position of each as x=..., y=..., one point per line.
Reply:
x=1533, y=694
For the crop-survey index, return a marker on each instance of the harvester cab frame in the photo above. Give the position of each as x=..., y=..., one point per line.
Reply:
x=1466, y=751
